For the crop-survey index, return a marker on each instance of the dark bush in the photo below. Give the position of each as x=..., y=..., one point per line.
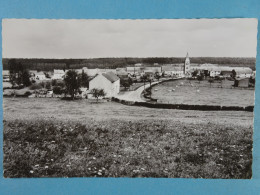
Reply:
x=57, y=90
x=28, y=93
x=35, y=86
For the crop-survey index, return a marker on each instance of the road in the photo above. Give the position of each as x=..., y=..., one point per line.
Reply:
x=136, y=94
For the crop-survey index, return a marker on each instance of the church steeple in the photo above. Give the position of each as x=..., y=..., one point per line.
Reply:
x=187, y=64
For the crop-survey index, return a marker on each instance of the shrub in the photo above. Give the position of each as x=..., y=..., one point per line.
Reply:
x=57, y=90
x=35, y=86
x=28, y=93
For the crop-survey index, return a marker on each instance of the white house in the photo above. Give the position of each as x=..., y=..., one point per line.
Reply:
x=6, y=75
x=40, y=76
x=109, y=82
x=58, y=74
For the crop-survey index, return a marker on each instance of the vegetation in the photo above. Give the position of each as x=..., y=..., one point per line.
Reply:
x=72, y=83
x=84, y=79
x=18, y=75
x=157, y=76
x=211, y=81
x=97, y=93
x=126, y=83
x=233, y=74
x=50, y=64
x=200, y=77
x=117, y=148
x=57, y=90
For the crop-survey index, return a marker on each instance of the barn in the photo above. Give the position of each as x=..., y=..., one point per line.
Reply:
x=109, y=82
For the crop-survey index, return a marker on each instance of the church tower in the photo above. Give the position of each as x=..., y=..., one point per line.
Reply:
x=187, y=64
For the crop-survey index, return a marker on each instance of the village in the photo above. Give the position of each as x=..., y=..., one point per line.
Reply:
x=128, y=98
x=116, y=82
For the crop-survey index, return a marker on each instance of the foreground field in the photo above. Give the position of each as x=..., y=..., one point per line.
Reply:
x=53, y=138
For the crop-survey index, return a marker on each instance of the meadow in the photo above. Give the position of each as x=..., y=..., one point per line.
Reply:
x=193, y=92
x=52, y=138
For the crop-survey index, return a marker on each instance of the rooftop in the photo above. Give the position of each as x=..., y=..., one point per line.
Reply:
x=111, y=76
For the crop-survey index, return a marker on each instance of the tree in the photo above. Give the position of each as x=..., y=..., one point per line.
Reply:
x=57, y=90
x=48, y=85
x=15, y=70
x=98, y=93
x=194, y=73
x=157, y=76
x=84, y=79
x=25, y=78
x=200, y=78
x=126, y=82
x=18, y=75
x=72, y=83
x=211, y=81
x=233, y=74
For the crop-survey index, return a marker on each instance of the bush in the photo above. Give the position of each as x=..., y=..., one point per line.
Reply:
x=28, y=93
x=57, y=90
x=35, y=86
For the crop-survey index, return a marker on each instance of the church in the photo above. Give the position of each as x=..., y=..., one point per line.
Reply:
x=187, y=64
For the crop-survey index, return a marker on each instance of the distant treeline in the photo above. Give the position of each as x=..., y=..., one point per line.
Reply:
x=50, y=64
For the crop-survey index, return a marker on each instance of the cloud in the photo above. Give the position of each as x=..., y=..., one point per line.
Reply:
x=45, y=38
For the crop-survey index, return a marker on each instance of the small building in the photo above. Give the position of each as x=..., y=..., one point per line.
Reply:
x=241, y=82
x=109, y=82
x=40, y=76
x=6, y=75
x=214, y=73
x=175, y=70
x=58, y=74
x=121, y=72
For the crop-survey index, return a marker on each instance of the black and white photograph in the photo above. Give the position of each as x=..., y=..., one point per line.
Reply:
x=145, y=98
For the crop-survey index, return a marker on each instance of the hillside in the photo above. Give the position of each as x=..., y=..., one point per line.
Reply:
x=50, y=64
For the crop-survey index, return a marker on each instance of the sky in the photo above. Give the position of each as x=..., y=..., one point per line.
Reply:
x=85, y=38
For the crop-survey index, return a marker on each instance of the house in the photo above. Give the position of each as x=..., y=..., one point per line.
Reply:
x=132, y=70
x=6, y=75
x=94, y=72
x=58, y=74
x=173, y=70
x=153, y=69
x=40, y=76
x=121, y=72
x=109, y=82
x=33, y=72
x=241, y=82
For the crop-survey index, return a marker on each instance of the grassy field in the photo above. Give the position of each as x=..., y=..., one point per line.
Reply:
x=194, y=92
x=53, y=138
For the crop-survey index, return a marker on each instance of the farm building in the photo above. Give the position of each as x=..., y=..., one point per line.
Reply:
x=58, y=74
x=241, y=82
x=109, y=82
x=40, y=76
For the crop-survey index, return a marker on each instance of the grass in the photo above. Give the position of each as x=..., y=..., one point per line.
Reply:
x=48, y=137
x=194, y=92
x=116, y=148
